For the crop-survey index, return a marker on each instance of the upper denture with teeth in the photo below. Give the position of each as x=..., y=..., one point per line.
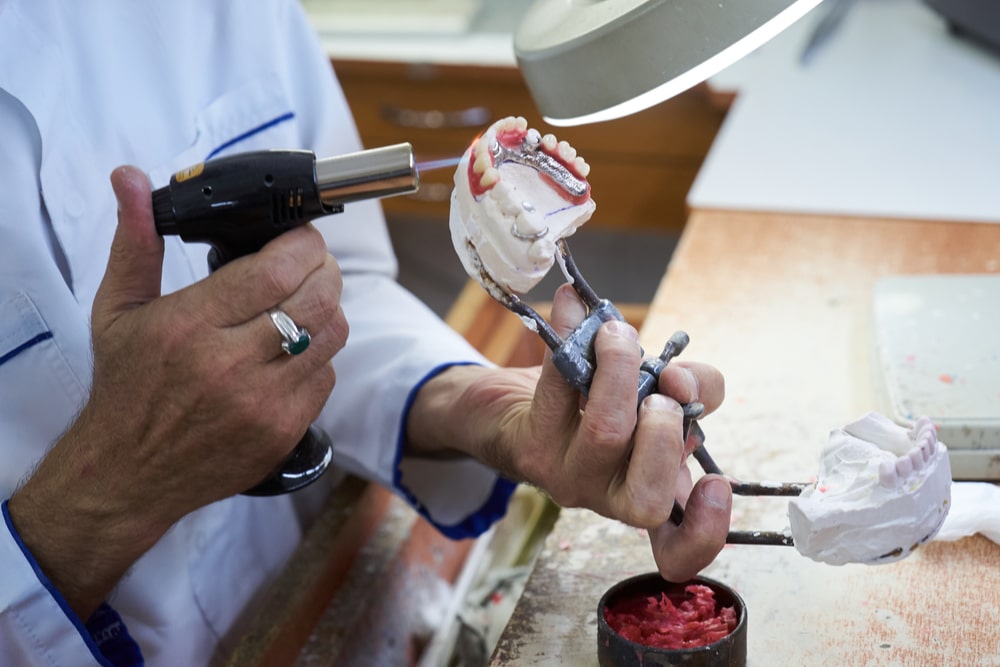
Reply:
x=882, y=490
x=516, y=193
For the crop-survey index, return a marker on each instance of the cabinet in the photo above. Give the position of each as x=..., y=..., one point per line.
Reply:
x=642, y=165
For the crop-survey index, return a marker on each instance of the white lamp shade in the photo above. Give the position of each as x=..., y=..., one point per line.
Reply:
x=591, y=60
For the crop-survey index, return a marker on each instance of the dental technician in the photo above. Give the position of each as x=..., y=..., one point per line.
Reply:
x=139, y=395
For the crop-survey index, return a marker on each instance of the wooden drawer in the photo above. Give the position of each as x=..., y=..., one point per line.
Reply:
x=642, y=165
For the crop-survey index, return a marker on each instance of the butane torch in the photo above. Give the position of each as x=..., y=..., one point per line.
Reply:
x=238, y=203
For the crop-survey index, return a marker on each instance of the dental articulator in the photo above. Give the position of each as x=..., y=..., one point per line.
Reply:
x=882, y=489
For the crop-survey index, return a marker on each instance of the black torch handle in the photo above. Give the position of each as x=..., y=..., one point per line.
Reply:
x=237, y=204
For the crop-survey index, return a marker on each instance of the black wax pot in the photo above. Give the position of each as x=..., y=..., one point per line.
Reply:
x=614, y=650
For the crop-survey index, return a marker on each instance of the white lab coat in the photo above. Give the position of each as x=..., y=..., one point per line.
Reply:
x=85, y=87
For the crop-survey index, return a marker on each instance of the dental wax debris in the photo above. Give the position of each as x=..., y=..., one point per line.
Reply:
x=882, y=491
x=696, y=620
x=516, y=193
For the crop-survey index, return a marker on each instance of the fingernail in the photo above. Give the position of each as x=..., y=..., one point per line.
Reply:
x=697, y=436
x=717, y=493
x=691, y=381
x=623, y=329
x=662, y=403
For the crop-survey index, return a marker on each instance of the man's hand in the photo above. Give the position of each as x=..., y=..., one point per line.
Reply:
x=601, y=453
x=193, y=399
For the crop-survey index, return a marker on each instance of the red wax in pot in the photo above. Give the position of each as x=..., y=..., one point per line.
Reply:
x=672, y=622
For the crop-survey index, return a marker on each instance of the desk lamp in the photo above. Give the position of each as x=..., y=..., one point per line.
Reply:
x=586, y=61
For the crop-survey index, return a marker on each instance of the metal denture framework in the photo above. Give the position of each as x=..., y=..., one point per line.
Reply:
x=528, y=155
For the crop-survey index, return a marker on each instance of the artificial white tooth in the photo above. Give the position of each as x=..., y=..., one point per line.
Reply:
x=482, y=163
x=534, y=137
x=582, y=167
x=490, y=178
x=528, y=224
x=925, y=451
x=549, y=142
x=904, y=466
x=521, y=123
x=507, y=123
x=541, y=250
x=932, y=445
x=509, y=205
x=887, y=476
x=566, y=152
x=510, y=210
x=916, y=458
x=502, y=194
x=500, y=191
x=926, y=426
x=483, y=147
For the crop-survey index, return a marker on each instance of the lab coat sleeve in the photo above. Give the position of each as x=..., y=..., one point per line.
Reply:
x=396, y=343
x=36, y=625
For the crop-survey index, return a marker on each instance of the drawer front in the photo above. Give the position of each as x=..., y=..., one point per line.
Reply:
x=642, y=196
x=642, y=165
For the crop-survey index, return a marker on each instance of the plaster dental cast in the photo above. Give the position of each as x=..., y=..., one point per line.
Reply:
x=882, y=491
x=516, y=194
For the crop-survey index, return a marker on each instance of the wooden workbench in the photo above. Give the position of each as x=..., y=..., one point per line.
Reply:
x=780, y=303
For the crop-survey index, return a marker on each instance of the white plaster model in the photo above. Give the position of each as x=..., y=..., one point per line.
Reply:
x=882, y=491
x=516, y=194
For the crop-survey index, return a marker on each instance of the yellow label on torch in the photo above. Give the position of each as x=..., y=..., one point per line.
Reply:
x=189, y=172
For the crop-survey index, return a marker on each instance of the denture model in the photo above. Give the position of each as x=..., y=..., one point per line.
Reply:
x=882, y=491
x=517, y=194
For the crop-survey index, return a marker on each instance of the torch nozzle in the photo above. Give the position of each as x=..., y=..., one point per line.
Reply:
x=368, y=174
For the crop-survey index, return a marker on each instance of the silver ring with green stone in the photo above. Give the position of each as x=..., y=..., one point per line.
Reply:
x=296, y=338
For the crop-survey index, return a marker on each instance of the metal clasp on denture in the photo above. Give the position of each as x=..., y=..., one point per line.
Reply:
x=518, y=234
x=529, y=156
x=528, y=237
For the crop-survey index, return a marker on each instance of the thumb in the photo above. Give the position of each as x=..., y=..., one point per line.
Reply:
x=682, y=551
x=567, y=310
x=135, y=265
x=553, y=389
